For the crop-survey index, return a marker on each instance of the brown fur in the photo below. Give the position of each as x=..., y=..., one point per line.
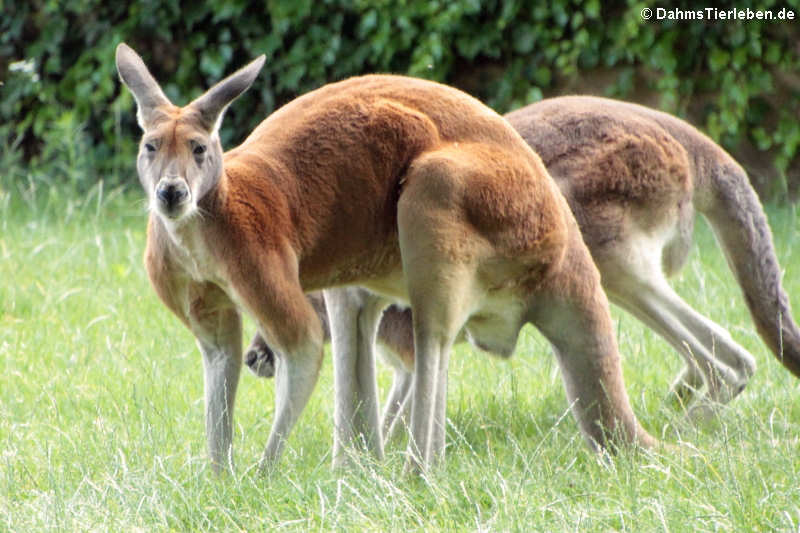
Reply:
x=403, y=185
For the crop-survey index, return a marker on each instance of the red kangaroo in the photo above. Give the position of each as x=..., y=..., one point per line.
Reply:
x=408, y=187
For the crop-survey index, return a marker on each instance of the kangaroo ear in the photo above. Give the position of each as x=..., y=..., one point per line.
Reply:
x=145, y=89
x=212, y=104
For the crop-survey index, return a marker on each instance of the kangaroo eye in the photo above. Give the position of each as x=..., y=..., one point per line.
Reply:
x=199, y=150
x=149, y=147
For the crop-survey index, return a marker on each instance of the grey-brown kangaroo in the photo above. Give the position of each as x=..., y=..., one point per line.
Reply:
x=634, y=178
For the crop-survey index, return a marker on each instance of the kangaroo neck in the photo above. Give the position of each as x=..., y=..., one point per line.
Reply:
x=191, y=239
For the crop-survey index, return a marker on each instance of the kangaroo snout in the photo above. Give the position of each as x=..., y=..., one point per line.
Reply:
x=172, y=194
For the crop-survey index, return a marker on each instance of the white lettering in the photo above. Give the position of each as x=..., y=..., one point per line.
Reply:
x=713, y=13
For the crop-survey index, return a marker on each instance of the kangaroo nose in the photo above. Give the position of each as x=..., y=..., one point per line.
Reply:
x=171, y=194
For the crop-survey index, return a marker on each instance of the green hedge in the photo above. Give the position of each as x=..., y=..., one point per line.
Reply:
x=61, y=103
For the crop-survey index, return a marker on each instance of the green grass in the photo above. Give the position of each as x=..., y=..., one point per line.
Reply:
x=101, y=412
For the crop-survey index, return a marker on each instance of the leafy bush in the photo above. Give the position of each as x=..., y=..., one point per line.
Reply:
x=56, y=59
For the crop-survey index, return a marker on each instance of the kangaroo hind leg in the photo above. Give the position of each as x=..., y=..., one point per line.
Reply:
x=712, y=357
x=439, y=253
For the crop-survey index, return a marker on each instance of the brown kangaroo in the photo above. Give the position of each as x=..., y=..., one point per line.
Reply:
x=634, y=178
x=410, y=188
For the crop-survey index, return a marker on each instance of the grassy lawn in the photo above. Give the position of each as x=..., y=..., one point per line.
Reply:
x=101, y=412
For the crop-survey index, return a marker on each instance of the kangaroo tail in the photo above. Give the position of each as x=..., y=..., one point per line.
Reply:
x=735, y=213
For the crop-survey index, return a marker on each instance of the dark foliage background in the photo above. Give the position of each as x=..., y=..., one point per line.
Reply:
x=62, y=109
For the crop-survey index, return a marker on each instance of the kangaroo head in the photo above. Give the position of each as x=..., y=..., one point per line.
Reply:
x=180, y=155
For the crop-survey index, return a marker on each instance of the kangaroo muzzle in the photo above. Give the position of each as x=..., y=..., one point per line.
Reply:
x=172, y=196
